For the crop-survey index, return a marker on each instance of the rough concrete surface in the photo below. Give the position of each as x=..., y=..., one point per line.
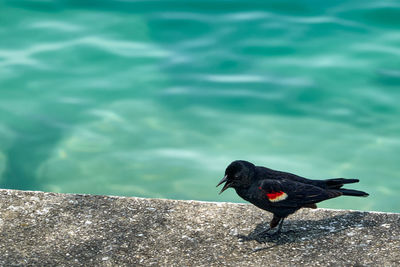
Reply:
x=49, y=229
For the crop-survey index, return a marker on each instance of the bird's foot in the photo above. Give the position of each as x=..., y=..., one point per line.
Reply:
x=279, y=232
x=263, y=233
x=288, y=232
x=272, y=235
x=268, y=235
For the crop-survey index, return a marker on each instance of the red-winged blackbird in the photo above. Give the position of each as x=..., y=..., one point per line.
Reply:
x=281, y=193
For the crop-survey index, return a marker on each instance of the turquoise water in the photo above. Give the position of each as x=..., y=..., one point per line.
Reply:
x=155, y=98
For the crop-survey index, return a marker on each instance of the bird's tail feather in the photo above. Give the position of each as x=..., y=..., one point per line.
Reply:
x=337, y=183
x=351, y=192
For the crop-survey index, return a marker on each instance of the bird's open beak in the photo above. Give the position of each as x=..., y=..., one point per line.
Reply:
x=226, y=186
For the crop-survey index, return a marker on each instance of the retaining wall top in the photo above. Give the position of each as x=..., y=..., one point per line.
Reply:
x=52, y=229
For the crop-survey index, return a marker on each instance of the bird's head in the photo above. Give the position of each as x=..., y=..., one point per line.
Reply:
x=238, y=174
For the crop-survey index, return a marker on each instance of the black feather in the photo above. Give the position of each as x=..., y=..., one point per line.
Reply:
x=336, y=183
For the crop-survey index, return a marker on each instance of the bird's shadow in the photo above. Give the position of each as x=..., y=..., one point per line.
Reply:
x=294, y=231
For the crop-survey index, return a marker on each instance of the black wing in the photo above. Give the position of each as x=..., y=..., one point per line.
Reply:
x=287, y=193
x=266, y=173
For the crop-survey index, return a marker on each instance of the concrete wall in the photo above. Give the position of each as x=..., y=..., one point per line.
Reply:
x=49, y=229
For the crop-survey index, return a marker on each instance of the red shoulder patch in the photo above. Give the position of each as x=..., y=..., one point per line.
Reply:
x=277, y=196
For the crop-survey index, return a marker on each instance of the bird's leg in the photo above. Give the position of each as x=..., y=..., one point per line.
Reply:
x=274, y=222
x=277, y=232
x=280, y=228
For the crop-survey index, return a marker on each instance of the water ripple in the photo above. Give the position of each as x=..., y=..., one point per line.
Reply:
x=236, y=93
x=241, y=78
x=57, y=26
x=26, y=56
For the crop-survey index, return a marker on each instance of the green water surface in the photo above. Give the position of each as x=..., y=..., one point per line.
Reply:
x=156, y=98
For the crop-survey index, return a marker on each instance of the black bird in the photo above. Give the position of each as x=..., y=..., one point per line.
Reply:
x=281, y=193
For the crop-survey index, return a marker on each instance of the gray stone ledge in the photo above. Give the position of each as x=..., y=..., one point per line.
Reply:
x=50, y=229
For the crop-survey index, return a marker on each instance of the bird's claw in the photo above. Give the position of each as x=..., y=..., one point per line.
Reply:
x=274, y=235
